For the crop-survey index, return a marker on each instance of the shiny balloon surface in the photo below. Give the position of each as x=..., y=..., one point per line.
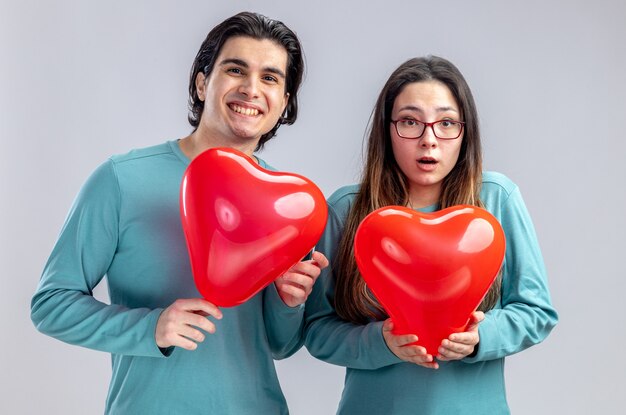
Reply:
x=245, y=225
x=429, y=271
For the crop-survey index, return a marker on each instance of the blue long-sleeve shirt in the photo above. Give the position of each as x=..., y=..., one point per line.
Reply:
x=378, y=382
x=125, y=224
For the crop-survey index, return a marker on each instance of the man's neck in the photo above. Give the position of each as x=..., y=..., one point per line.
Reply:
x=196, y=143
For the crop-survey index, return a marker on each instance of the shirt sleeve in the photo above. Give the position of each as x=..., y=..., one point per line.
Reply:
x=63, y=305
x=525, y=315
x=283, y=324
x=327, y=336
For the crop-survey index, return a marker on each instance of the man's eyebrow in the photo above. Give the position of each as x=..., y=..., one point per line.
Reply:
x=275, y=71
x=234, y=61
x=244, y=64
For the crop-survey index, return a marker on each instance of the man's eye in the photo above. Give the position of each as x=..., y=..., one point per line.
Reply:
x=234, y=70
x=270, y=78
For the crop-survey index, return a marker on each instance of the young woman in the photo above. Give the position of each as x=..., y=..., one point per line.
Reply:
x=424, y=152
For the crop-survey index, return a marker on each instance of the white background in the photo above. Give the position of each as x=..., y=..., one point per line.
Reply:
x=81, y=80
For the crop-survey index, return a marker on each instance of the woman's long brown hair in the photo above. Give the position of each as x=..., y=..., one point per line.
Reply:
x=384, y=184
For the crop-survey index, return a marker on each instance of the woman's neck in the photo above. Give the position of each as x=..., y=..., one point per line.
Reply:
x=424, y=196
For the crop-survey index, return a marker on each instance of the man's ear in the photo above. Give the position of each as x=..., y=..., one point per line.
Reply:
x=285, y=102
x=201, y=86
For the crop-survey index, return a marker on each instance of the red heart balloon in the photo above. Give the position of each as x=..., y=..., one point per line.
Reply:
x=429, y=271
x=245, y=225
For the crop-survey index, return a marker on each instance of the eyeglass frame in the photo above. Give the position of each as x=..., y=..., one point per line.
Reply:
x=427, y=124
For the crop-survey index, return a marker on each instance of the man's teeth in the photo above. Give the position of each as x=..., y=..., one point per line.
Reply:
x=244, y=111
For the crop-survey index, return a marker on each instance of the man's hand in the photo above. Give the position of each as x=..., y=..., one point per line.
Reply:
x=295, y=285
x=179, y=323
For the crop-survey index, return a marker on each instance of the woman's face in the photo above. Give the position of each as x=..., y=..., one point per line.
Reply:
x=427, y=160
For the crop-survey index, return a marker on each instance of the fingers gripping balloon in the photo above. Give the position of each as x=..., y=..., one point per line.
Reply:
x=245, y=225
x=429, y=271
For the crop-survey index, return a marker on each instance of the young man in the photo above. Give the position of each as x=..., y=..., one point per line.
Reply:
x=125, y=223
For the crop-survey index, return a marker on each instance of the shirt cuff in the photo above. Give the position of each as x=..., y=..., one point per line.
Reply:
x=387, y=357
x=277, y=304
x=158, y=351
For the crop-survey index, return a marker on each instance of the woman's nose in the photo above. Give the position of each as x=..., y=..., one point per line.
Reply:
x=428, y=139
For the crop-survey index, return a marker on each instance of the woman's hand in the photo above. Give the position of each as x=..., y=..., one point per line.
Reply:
x=460, y=345
x=401, y=346
x=177, y=323
x=295, y=285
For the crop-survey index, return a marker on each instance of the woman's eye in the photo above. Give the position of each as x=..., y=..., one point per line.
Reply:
x=409, y=123
x=447, y=123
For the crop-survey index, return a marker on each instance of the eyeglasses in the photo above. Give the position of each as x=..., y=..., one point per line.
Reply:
x=443, y=129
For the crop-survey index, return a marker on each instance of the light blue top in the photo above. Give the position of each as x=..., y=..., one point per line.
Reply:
x=377, y=382
x=125, y=224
